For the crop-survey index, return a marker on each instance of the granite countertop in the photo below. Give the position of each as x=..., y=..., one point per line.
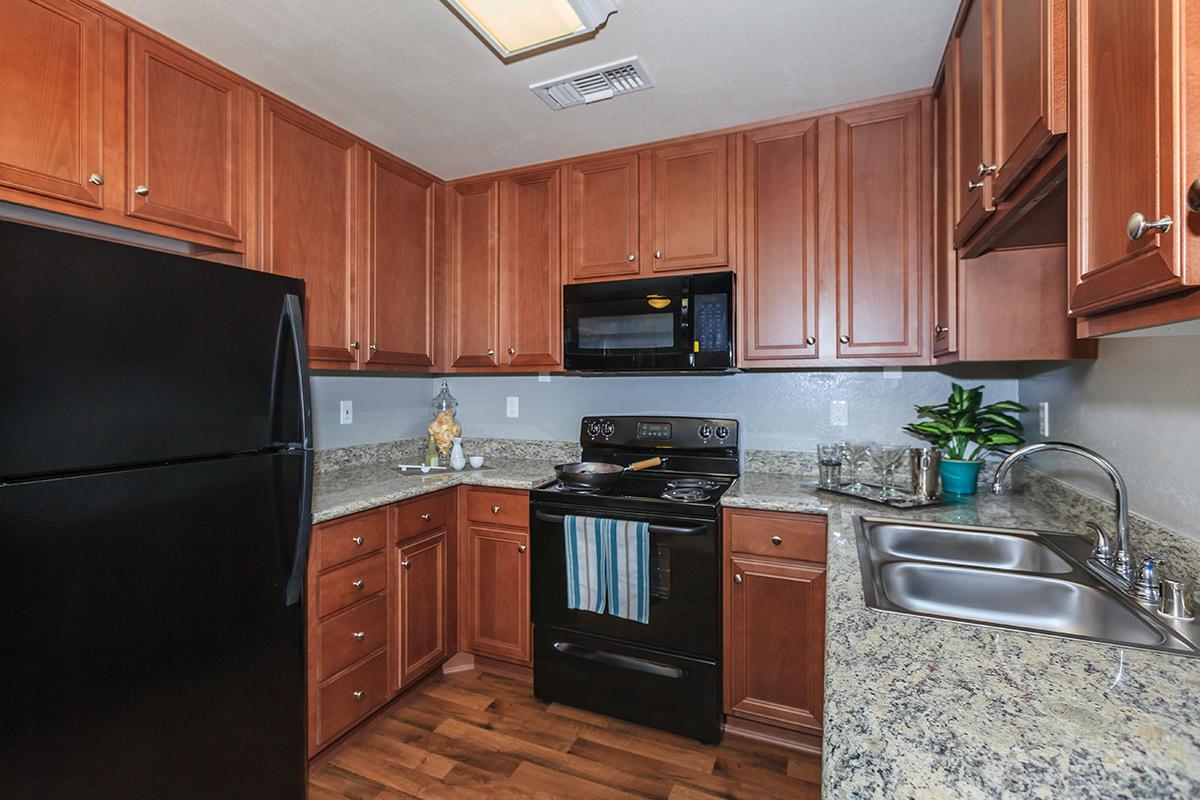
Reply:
x=923, y=708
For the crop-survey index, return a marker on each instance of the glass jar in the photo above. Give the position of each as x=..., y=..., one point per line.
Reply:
x=444, y=428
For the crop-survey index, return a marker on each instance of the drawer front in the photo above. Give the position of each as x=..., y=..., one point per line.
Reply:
x=349, y=538
x=339, y=588
x=498, y=508
x=780, y=535
x=352, y=635
x=422, y=514
x=351, y=697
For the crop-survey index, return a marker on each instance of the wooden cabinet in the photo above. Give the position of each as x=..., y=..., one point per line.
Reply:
x=1133, y=68
x=777, y=323
x=685, y=195
x=945, y=170
x=185, y=153
x=973, y=187
x=774, y=620
x=53, y=96
x=495, y=584
x=530, y=280
x=876, y=175
x=398, y=280
x=473, y=274
x=308, y=226
x=422, y=597
x=602, y=218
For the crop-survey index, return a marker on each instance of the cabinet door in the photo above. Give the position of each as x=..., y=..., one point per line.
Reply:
x=307, y=213
x=497, y=596
x=530, y=280
x=51, y=136
x=473, y=275
x=185, y=141
x=422, y=570
x=877, y=160
x=973, y=188
x=687, y=222
x=945, y=258
x=1124, y=146
x=778, y=317
x=1029, y=86
x=602, y=218
x=776, y=649
x=398, y=264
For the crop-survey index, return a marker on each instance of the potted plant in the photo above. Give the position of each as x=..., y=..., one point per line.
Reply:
x=965, y=430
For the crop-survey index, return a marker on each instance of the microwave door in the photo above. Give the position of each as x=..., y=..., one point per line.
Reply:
x=630, y=333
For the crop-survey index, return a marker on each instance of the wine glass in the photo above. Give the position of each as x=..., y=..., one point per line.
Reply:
x=856, y=456
x=887, y=457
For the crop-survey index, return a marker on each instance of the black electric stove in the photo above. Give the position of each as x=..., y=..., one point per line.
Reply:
x=664, y=673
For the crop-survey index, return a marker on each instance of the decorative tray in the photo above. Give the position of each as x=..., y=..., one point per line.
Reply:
x=870, y=492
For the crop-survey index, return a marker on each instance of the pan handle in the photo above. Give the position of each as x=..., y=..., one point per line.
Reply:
x=645, y=464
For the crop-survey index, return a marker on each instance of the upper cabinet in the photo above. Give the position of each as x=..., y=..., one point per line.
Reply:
x=398, y=280
x=945, y=170
x=473, y=274
x=602, y=218
x=52, y=93
x=308, y=226
x=186, y=123
x=973, y=202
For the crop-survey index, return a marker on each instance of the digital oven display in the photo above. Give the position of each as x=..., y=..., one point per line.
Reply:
x=654, y=430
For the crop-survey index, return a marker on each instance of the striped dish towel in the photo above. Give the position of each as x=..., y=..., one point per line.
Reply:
x=585, y=563
x=619, y=577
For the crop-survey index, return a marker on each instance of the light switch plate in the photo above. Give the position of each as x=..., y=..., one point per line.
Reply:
x=839, y=412
x=346, y=412
x=1044, y=418
x=512, y=406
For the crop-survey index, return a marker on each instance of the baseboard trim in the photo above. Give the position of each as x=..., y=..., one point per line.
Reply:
x=756, y=731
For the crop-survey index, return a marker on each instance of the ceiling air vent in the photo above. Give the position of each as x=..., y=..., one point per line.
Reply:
x=590, y=85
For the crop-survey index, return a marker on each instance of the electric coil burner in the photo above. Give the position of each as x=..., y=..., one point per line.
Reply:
x=665, y=673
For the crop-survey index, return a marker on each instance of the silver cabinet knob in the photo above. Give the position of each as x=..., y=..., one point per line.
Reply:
x=776, y=540
x=844, y=339
x=355, y=345
x=495, y=509
x=358, y=540
x=374, y=347
x=1137, y=225
x=986, y=169
x=973, y=185
x=360, y=635
x=96, y=178
x=512, y=351
x=521, y=548
x=658, y=253
x=810, y=341
x=142, y=190
x=491, y=352
x=426, y=516
x=1193, y=196
x=406, y=564
x=358, y=695
x=940, y=330
x=358, y=585
x=737, y=578
x=631, y=257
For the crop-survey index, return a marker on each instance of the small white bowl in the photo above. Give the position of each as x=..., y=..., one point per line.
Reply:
x=476, y=462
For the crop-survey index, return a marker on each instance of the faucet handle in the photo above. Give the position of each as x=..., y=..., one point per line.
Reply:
x=1146, y=586
x=1101, y=551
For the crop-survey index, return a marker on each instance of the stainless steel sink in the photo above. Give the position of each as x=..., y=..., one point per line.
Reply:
x=1025, y=580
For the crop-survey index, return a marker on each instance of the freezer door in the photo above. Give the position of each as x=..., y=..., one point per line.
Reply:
x=152, y=645
x=112, y=355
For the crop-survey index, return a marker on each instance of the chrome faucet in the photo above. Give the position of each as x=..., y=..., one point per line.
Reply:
x=1115, y=565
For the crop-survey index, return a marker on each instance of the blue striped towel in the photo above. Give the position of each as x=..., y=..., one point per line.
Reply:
x=620, y=577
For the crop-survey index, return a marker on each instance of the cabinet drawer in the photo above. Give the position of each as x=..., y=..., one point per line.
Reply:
x=781, y=535
x=422, y=514
x=349, y=636
x=339, y=588
x=498, y=508
x=350, y=538
x=351, y=697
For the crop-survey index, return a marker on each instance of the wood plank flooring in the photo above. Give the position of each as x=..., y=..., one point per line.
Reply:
x=475, y=734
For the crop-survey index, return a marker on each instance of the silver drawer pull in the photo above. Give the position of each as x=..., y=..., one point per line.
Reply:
x=495, y=509
x=737, y=578
x=973, y=185
x=96, y=178
x=521, y=548
x=358, y=695
x=1138, y=226
x=358, y=585
x=360, y=635
x=358, y=540
x=776, y=540
x=425, y=517
x=406, y=564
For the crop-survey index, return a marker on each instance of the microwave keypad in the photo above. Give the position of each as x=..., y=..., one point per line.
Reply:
x=712, y=322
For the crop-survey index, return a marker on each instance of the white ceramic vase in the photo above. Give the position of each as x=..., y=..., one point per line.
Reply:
x=457, y=459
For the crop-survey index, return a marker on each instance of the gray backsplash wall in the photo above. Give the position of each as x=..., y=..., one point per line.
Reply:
x=1138, y=405
x=779, y=410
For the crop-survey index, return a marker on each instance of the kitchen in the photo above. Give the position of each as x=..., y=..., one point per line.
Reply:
x=303, y=334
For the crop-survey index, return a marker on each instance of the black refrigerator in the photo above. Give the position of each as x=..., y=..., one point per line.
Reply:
x=155, y=507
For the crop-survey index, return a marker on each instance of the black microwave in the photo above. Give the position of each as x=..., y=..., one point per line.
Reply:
x=676, y=323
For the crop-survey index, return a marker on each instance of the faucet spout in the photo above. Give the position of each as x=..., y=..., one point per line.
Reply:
x=1121, y=561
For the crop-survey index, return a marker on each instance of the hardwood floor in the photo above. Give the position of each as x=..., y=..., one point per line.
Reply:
x=475, y=734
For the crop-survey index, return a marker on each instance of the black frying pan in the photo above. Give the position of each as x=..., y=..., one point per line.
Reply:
x=597, y=474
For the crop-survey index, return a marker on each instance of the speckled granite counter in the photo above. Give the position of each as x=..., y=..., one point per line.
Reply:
x=346, y=490
x=928, y=709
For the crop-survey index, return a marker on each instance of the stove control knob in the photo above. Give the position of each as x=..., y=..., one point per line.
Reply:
x=593, y=428
x=706, y=431
x=608, y=428
x=722, y=432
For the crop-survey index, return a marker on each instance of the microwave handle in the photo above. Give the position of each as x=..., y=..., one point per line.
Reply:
x=667, y=530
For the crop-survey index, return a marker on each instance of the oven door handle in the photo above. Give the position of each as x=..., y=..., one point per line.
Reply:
x=669, y=530
x=624, y=662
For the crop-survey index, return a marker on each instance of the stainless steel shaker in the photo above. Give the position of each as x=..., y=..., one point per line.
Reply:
x=925, y=478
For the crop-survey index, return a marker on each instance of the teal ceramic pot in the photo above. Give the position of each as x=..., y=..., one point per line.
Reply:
x=959, y=477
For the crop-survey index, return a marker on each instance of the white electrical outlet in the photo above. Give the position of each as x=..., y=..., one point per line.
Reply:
x=1044, y=418
x=543, y=377
x=512, y=406
x=839, y=412
x=346, y=412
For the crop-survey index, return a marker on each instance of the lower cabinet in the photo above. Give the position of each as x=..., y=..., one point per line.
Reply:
x=422, y=579
x=775, y=618
x=495, y=576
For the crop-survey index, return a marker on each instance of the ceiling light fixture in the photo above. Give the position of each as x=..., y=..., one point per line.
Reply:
x=519, y=28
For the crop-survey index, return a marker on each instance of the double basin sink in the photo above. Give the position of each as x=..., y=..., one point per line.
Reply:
x=1024, y=580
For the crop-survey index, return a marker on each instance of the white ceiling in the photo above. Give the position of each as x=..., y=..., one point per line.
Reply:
x=412, y=78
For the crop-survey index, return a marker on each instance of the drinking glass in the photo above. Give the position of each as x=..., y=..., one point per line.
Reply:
x=856, y=456
x=829, y=461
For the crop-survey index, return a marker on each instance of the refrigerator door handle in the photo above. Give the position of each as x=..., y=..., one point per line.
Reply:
x=295, y=583
x=294, y=315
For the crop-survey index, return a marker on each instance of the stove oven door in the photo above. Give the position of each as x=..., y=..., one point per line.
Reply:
x=684, y=583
